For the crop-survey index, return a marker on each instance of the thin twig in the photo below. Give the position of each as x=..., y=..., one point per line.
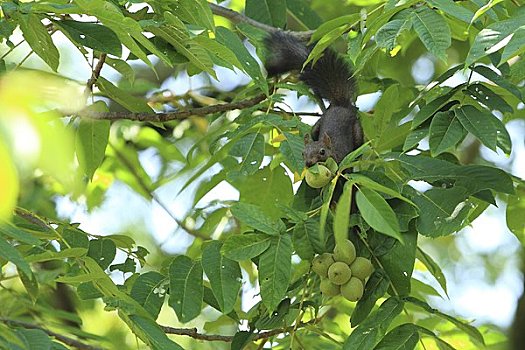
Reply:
x=167, y=116
x=31, y=217
x=193, y=333
x=236, y=17
x=96, y=72
x=62, y=338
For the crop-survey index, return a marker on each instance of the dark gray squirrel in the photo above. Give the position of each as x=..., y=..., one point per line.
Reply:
x=338, y=131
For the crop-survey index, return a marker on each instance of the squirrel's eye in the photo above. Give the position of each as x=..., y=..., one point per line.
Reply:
x=322, y=151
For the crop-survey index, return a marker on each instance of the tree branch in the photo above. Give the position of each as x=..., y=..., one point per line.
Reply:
x=96, y=72
x=193, y=333
x=167, y=116
x=62, y=338
x=236, y=17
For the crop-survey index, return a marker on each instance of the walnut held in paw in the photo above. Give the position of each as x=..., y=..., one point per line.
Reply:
x=320, y=178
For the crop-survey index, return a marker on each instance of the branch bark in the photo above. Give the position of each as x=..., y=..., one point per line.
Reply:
x=96, y=72
x=179, y=115
x=236, y=17
x=193, y=333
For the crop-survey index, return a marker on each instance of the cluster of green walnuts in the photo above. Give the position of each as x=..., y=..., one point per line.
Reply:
x=342, y=272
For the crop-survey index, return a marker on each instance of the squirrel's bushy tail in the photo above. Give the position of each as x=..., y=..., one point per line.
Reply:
x=330, y=77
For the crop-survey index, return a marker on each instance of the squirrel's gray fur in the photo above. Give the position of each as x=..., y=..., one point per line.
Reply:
x=338, y=131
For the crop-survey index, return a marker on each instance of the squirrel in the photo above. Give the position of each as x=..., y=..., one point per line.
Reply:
x=338, y=131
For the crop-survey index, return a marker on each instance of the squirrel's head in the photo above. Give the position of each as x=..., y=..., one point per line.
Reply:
x=317, y=151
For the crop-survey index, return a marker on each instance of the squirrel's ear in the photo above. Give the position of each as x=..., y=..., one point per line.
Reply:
x=307, y=138
x=327, y=141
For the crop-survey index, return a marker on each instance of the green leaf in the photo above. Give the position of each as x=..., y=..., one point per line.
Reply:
x=325, y=207
x=332, y=24
x=307, y=239
x=224, y=275
x=499, y=80
x=34, y=339
x=149, y=332
x=149, y=290
x=122, y=67
x=474, y=178
x=403, y=337
x=91, y=141
x=342, y=214
x=377, y=213
x=368, y=333
x=433, y=31
x=398, y=262
x=128, y=30
x=292, y=149
x=255, y=218
x=20, y=235
x=413, y=139
x=387, y=35
x=102, y=251
x=123, y=98
x=442, y=345
x=515, y=213
x=443, y=211
x=486, y=96
x=73, y=237
x=301, y=11
x=346, y=163
x=9, y=253
x=63, y=254
x=479, y=124
x=92, y=35
x=269, y=188
x=185, y=288
x=516, y=45
x=453, y=9
x=275, y=269
x=216, y=49
x=324, y=42
x=364, y=180
x=432, y=107
x=375, y=288
x=245, y=246
x=176, y=33
x=445, y=132
x=473, y=333
x=433, y=268
x=251, y=149
x=195, y=12
x=37, y=36
x=251, y=67
x=489, y=39
x=271, y=12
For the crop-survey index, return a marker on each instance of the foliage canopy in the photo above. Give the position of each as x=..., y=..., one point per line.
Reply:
x=419, y=175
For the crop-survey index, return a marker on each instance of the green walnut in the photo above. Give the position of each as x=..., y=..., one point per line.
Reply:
x=329, y=289
x=321, y=263
x=339, y=273
x=353, y=289
x=362, y=268
x=345, y=252
x=320, y=178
